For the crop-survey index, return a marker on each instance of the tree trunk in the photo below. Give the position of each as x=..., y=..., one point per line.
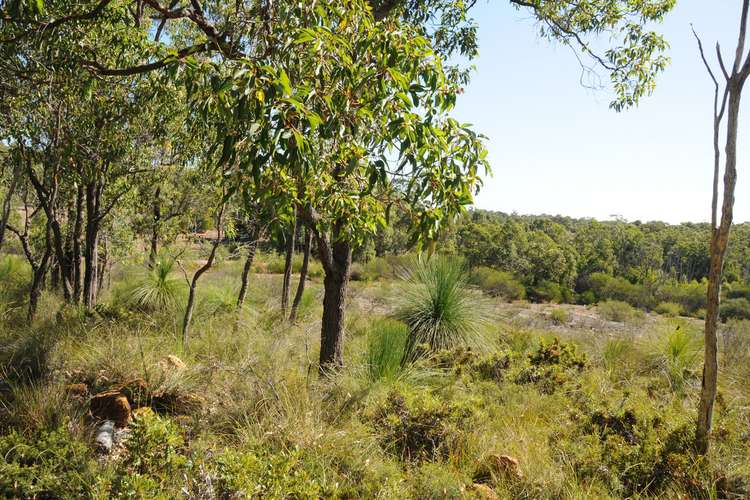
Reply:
x=194, y=283
x=335, y=284
x=719, y=243
x=154, y=251
x=91, y=253
x=7, y=206
x=251, y=248
x=286, y=285
x=76, y=255
x=302, y=276
x=103, y=265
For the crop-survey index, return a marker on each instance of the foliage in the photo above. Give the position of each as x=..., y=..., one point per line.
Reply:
x=50, y=463
x=438, y=308
x=668, y=309
x=621, y=312
x=420, y=428
x=738, y=308
x=559, y=316
x=497, y=283
x=385, y=352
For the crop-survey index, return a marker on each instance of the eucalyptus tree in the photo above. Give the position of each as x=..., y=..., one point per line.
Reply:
x=726, y=104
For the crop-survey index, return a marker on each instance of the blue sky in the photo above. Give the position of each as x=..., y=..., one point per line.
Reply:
x=556, y=147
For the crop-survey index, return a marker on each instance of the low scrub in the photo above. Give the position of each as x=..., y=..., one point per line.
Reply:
x=497, y=283
x=618, y=311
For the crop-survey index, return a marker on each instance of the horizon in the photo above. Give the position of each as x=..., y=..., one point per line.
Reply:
x=651, y=162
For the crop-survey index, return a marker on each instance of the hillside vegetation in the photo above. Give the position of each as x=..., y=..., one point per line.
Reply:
x=447, y=392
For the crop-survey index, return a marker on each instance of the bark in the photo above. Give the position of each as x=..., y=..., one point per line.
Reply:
x=7, y=206
x=334, y=307
x=76, y=253
x=735, y=80
x=286, y=284
x=251, y=248
x=156, y=212
x=103, y=265
x=302, y=276
x=48, y=199
x=91, y=252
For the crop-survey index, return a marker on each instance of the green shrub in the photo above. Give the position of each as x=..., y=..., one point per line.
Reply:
x=439, y=481
x=420, y=427
x=606, y=287
x=615, y=310
x=497, y=283
x=155, y=461
x=733, y=291
x=552, y=366
x=45, y=464
x=461, y=360
x=559, y=316
x=669, y=309
x=738, y=308
x=265, y=474
x=546, y=291
x=385, y=352
x=438, y=308
x=691, y=296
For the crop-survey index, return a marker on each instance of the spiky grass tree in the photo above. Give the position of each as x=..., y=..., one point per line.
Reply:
x=159, y=288
x=439, y=308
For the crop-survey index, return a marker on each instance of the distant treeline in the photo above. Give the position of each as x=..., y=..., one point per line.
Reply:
x=562, y=259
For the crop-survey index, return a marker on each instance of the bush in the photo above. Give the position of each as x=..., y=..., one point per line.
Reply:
x=385, y=353
x=691, y=296
x=264, y=474
x=615, y=310
x=46, y=464
x=546, y=291
x=734, y=291
x=421, y=428
x=669, y=309
x=559, y=316
x=497, y=283
x=734, y=309
x=439, y=309
x=606, y=287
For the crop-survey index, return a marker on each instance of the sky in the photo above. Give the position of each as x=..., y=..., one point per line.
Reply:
x=555, y=146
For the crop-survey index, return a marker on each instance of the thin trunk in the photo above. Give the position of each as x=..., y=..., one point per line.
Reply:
x=286, y=284
x=735, y=80
x=103, y=266
x=302, y=276
x=7, y=206
x=194, y=283
x=91, y=247
x=251, y=248
x=719, y=243
x=76, y=255
x=153, y=252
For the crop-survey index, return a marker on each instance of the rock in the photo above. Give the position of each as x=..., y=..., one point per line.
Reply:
x=171, y=362
x=76, y=390
x=105, y=437
x=483, y=491
x=111, y=405
x=136, y=391
x=498, y=465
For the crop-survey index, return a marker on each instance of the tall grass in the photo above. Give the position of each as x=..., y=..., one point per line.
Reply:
x=438, y=307
x=385, y=350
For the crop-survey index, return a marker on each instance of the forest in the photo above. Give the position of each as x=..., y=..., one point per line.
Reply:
x=240, y=257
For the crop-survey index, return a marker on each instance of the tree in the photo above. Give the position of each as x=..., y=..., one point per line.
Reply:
x=726, y=103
